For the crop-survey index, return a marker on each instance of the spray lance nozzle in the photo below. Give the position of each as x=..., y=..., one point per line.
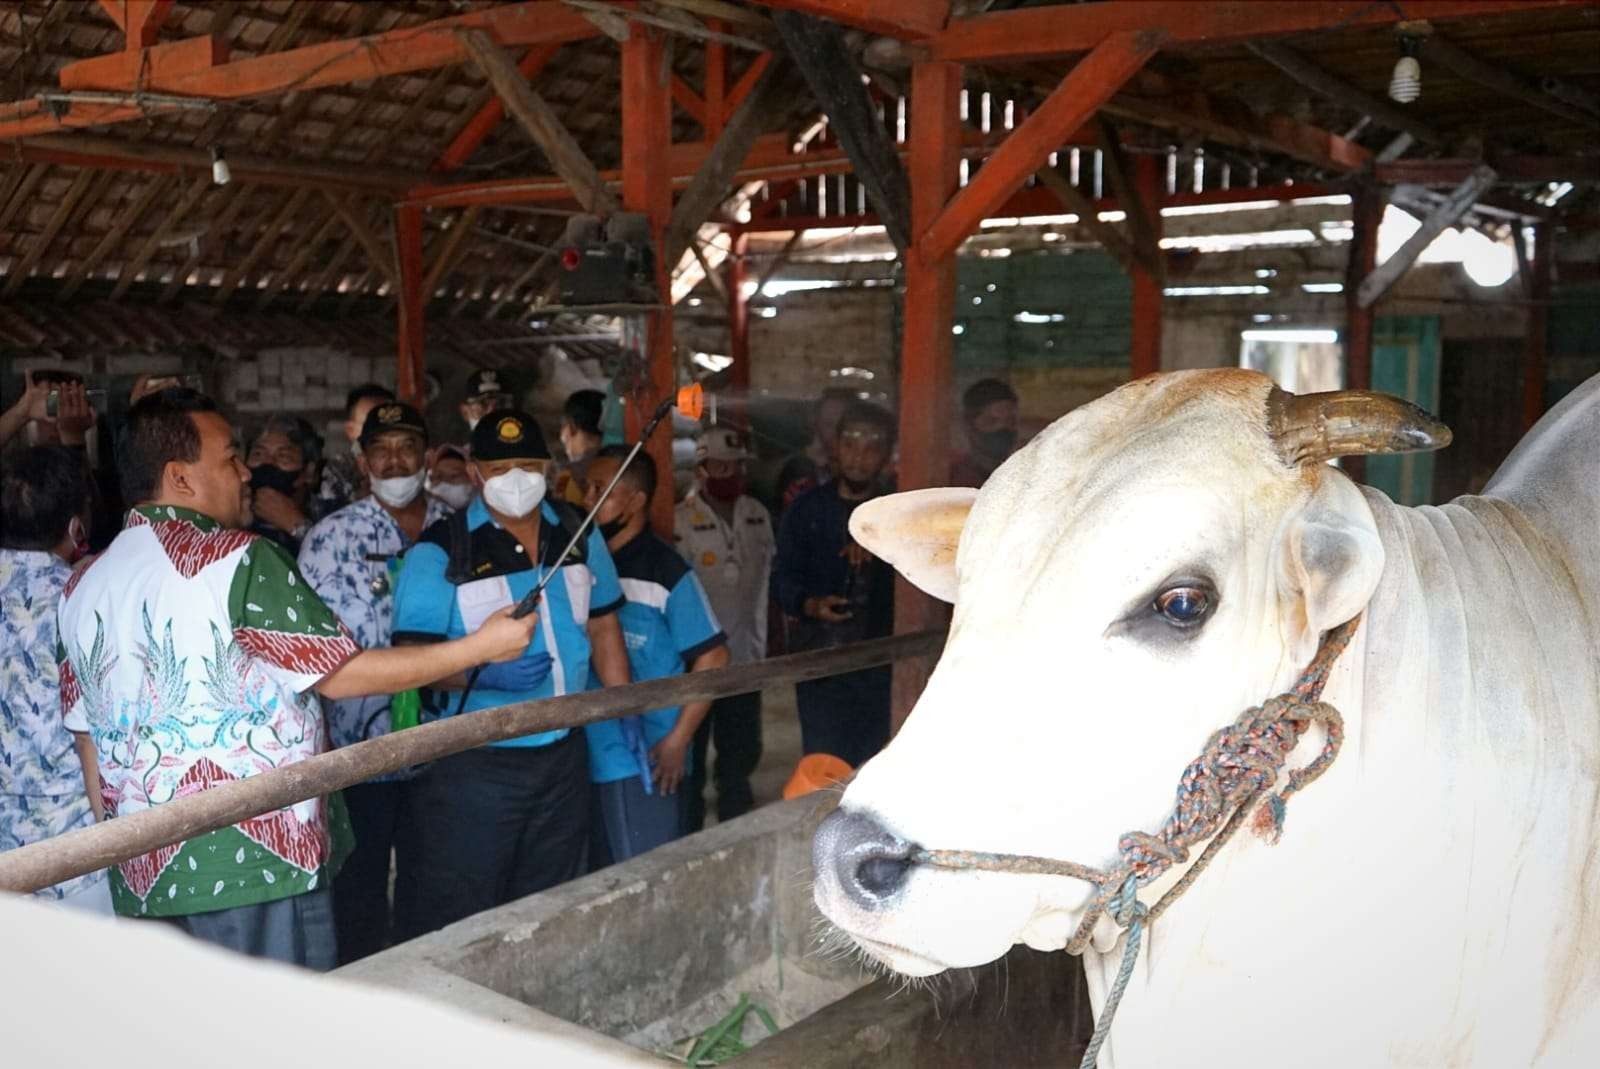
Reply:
x=689, y=400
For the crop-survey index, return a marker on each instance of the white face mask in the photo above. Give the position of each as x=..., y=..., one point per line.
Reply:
x=456, y=495
x=472, y=423
x=399, y=491
x=514, y=494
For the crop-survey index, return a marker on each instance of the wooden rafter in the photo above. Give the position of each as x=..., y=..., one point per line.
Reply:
x=1143, y=217
x=1080, y=204
x=451, y=248
x=1341, y=92
x=540, y=121
x=308, y=247
x=747, y=81
x=21, y=192
x=423, y=47
x=316, y=287
x=711, y=183
x=139, y=20
x=1058, y=30
x=911, y=20
x=18, y=273
x=263, y=245
x=483, y=121
x=1460, y=201
x=1436, y=49
x=224, y=210
x=381, y=258
x=830, y=69
x=1088, y=85
x=126, y=220
x=133, y=265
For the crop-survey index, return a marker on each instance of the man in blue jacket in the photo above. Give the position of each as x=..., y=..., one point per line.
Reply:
x=638, y=762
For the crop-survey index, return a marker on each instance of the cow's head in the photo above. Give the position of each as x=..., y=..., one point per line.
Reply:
x=1145, y=569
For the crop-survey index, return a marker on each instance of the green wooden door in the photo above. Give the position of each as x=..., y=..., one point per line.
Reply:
x=1405, y=362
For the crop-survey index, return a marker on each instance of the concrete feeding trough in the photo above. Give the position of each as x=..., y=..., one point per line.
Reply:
x=643, y=954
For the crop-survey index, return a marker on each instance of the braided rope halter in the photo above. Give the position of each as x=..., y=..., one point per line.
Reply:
x=1217, y=791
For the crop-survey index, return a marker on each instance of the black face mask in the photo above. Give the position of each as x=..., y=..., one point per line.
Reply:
x=997, y=444
x=272, y=477
x=611, y=529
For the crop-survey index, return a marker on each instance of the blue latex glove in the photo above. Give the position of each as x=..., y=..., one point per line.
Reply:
x=525, y=673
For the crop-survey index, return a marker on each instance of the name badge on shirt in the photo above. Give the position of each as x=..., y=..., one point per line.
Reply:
x=481, y=599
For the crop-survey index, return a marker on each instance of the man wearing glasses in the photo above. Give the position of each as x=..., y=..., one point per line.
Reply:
x=509, y=819
x=834, y=592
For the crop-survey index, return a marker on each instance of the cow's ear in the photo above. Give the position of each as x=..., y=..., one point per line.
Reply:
x=917, y=532
x=1334, y=554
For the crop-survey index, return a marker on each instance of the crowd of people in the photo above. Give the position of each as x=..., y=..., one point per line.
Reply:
x=261, y=604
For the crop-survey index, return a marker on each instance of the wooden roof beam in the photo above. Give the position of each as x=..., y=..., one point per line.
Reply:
x=1447, y=214
x=831, y=70
x=912, y=20
x=308, y=247
x=262, y=247
x=89, y=150
x=401, y=51
x=126, y=220
x=19, y=271
x=1093, y=81
x=451, y=248
x=1341, y=92
x=540, y=121
x=378, y=255
x=1082, y=205
x=224, y=210
x=139, y=20
x=1436, y=49
x=1057, y=30
x=186, y=203
x=1531, y=169
x=483, y=122
x=712, y=182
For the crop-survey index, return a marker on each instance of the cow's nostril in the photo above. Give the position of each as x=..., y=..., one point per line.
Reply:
x=882, y=876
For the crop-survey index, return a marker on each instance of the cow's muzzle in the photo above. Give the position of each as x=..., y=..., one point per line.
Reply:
x=867, y=862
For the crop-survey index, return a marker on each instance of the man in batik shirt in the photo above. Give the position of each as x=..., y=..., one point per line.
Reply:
x=190, y=652
x=44, y=492
x=351, y=560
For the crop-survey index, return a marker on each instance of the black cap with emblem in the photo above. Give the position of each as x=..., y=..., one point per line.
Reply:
x=506, y=434
x=393, y=416
x=486, y=384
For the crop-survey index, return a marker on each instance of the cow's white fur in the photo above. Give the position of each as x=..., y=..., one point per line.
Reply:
x=1435, y=900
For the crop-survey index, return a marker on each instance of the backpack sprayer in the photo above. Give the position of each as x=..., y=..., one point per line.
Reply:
x=690, y=401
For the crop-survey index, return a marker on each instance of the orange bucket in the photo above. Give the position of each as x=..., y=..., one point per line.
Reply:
x=814, y=772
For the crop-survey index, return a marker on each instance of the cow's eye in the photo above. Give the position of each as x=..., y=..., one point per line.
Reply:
x=1183, y=606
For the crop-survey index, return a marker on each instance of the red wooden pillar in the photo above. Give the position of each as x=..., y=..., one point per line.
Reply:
x=408, y=243
x=739, y=329
x=1368, y=213
x=647, y=188
x=927, y=354
x=1533, y=363
x=1147, y=296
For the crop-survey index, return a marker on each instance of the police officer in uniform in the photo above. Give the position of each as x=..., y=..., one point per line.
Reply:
x=726, y=536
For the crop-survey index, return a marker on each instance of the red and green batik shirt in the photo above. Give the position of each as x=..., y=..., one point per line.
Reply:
x=189, y=651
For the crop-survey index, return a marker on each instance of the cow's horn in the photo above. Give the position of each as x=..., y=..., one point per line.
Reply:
x=1314, y=427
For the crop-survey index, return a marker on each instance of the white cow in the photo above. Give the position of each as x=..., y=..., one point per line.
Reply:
x=1167, y=556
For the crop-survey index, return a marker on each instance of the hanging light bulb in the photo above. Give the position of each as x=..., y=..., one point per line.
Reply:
x=220, y=174
x=1405, y=85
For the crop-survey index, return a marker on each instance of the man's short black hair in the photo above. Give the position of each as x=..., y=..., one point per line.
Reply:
x=367, y=391
x=641, y=474
x=867, y=414
x=160, y=431
x=41, y=489
x=983, y=393
x=584, y=409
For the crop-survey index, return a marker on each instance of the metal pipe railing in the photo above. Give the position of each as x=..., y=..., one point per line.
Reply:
x=86, y=850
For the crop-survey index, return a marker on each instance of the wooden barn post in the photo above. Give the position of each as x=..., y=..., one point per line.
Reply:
x=1150, y=185
x=927, y=355
x=647, y=188
x=412, y=335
